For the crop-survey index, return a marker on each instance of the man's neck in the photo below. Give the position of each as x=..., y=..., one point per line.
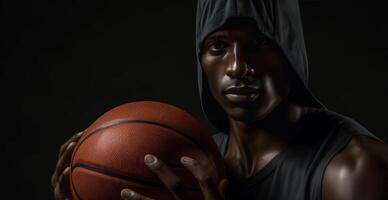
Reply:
x=253, y=145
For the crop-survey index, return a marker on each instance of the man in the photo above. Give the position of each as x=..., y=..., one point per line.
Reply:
x=279, y=142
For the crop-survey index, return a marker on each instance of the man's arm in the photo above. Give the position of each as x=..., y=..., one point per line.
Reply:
x=359, y=172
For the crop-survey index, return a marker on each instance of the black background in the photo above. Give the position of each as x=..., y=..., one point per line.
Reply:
x=64, y=63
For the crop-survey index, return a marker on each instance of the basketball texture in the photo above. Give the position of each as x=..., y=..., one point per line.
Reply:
x=110, y=154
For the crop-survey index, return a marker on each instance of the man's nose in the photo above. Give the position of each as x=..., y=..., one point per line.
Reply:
x=238, y=66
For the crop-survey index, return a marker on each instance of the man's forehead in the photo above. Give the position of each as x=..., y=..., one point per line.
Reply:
x=245, y=26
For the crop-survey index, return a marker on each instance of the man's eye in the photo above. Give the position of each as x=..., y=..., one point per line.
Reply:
x=218, y=46
x=259, y=42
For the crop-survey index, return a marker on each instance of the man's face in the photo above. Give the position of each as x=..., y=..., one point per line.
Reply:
x=245, y=71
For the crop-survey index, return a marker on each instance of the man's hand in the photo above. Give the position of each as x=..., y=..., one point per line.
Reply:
x=202, y=172
x=60, y=177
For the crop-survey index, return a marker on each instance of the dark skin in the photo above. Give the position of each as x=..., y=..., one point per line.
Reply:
x=359, y=172
x=260, y=113
x=239, y=55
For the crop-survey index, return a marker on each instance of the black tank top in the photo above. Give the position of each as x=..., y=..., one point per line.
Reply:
x=296, y=173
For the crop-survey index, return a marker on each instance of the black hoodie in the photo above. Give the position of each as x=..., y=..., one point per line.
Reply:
x=297, y=172
x=279, y=20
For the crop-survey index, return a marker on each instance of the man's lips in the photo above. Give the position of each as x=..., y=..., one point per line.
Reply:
x=240, y=94
x=241, y=90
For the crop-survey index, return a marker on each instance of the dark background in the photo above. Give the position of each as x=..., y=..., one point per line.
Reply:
x=64, y=63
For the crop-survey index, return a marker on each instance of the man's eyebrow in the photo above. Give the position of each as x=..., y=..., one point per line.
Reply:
x=256, y=34
x=217, y=36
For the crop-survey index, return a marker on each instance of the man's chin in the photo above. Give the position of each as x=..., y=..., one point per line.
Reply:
x=248, y=115
x=242, y=115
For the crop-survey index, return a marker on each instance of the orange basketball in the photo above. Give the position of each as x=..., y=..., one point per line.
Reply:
x=110, y=154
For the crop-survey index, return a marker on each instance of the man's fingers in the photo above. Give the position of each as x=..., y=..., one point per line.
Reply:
x=74, y=138
x=222, y=187
x=62, y=162
x=66, y=156
x=64, y=182
x=128, y=194
x=203, y=174
x=170, y=180
x=62, y=186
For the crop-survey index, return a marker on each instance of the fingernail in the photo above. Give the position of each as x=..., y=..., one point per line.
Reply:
x=67, y=170
x=187, y=160
x=127, y=193
x=149, y=159
x=70, y=145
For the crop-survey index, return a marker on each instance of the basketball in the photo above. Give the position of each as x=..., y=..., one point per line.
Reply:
x=110, y=154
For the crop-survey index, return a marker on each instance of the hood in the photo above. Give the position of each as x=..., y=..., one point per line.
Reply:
x=279, y=20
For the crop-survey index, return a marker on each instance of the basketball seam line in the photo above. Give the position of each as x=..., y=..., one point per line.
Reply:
x=146, y=122
x=123, y=177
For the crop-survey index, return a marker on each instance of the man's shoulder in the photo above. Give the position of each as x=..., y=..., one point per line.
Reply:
x=329, y=120
x=362, y=152
x=359, y=171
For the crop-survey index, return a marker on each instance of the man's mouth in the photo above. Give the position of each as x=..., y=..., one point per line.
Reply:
x=242, y=93
x=244, y=89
